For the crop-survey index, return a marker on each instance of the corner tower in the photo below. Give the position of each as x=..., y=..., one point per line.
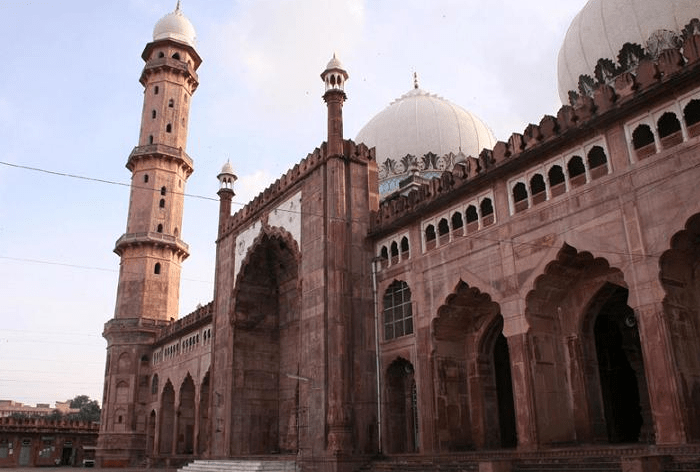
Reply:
x=151, y=250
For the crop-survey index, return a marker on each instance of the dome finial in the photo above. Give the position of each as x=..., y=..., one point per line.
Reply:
x=415, y=80
x=177, y=7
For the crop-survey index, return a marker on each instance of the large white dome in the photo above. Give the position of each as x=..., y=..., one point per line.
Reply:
x=602, y=27
x=175, y=25
x=419, y=123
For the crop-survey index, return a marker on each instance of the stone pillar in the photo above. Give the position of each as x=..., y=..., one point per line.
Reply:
x=523, y=391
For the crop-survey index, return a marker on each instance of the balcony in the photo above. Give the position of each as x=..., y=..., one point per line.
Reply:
x=154, y=239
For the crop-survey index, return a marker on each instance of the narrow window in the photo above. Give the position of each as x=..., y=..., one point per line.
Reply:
x=384, y=255
x=430, y=236
x=176, y=56
x=457, y=223
x=168, y=128
x=176, y=232
x=577, y=171
x=487, y=215
x=171, y=103
x=150, y=139
x=520, y=197
x=394, y=253
x=597, y=162
x=162, y=203
x=643, y=141
x=472, y=219
x=557, y=184
x=156, y=269
x=398, y=314
x=669, y=130
x=444, y=231
x=691, y=115
x=160, y=228
x=404, y=248
x=162, y=190
x=145, y=178
x=537, y=189
x=155, y=90
x=161, y=54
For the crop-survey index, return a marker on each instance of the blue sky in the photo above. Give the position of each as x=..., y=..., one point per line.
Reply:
x=70, y=102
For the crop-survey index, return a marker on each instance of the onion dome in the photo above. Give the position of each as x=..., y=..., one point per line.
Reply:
x=424, y=131
x=602, y=27
x=175, y=25
x=226, y=176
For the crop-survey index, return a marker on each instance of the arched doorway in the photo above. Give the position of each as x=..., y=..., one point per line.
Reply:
x=151, y=433
x=504, y=392
x=266, y=349
x=204, y=426
x=614, y=349
x=167, y=419
x=185, y=420
x=401, y=408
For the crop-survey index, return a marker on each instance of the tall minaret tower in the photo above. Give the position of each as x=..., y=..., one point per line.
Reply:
x=151, y=250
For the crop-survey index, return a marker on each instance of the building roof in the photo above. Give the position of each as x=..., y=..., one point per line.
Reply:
x=602, y=27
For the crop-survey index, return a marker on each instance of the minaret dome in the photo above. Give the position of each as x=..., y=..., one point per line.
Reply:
x=226, y=176
x=175, y=25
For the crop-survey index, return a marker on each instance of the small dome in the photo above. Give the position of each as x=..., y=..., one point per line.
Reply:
x=602, y=27
x=419, y=123
x=175, y=25
x=334, y=63
x=227, y=168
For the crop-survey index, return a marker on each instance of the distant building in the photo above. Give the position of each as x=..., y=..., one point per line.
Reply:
x=509, y=308
x=11, y=407
x=34, y=442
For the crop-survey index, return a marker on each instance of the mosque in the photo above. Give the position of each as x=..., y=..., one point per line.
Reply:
x=426, y=297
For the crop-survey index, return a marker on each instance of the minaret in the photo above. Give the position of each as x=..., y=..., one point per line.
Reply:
x=151, y=250
x=334, y=77
x=226, y=179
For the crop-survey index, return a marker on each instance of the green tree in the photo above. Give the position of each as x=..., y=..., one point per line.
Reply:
x=89, y=409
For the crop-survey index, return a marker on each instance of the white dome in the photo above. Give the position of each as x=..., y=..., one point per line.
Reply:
x=419, y=123
x=602, y=27
x=175, y=25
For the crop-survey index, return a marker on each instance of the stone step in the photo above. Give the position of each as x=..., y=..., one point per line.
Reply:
x=240, y=466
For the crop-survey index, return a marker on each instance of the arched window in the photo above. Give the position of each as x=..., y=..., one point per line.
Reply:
x=161, y=54
x=394, y=253
x=176, y=56
x=160, y=228
x=487, y=214
x=472, y=219
x=150, y=139
x=643, y=141
x=156, y=269
x=444, y=231
x=153, y=114
x=162, y=190
x=691, y=115
x=404, y=248
x=557, y=184
x=538, y=189
x=154, y=384
x=161, y=204
x=176, y=232
x=155, y=90
x=384, y=256
x=430, y=237
x=145, y=178
x=457, y=223
x=597, y=162
x=171, y=103
x=168, y=128
x=577, y=171
x=398, y=314
x=669, y=130
x=520, y=197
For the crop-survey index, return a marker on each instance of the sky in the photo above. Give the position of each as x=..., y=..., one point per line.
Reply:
x=70, y=107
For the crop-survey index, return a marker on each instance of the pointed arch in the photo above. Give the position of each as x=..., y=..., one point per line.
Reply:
x=167, y=419
x=400, y=396
x=186, y=417
x=204, y=425
x=680, y=278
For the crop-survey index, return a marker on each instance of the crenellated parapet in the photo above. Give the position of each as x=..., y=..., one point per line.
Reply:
x=9, y=424
x=351, y=151
x=641, y=76
x=200, y=316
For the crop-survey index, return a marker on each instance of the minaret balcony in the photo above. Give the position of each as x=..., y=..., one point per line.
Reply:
x=152, y=239
x=160, y=151
x=167, y=63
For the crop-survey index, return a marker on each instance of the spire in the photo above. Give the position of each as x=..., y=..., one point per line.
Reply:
x=177, y=7
x=334, y=77
x=415, y=80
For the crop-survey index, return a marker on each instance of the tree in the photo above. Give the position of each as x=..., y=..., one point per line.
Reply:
x=89, y=409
